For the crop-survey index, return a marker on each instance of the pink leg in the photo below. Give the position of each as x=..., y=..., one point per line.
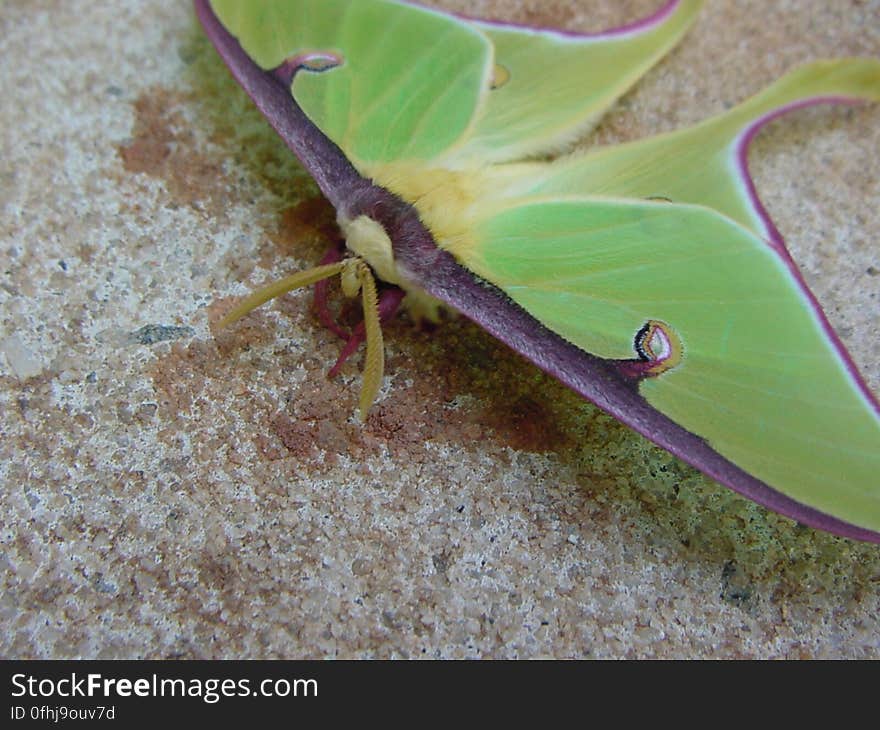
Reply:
x=389, y=303
x=323, y=312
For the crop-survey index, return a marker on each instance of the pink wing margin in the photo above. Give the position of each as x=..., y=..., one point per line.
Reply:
x=741, y=147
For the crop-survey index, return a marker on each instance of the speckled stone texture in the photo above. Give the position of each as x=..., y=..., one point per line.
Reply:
x=166, y=493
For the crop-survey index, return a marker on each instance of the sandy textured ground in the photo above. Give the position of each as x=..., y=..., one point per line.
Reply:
x=169, y=494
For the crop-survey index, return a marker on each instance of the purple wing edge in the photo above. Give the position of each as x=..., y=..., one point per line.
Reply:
x=595, y=379
x=741, y=150
x=639, y=26
x=331, y=170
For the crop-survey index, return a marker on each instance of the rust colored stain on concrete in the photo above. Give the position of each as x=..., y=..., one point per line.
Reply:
x=165, y=147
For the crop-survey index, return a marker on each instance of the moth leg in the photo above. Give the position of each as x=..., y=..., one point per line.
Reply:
x=319, y=304
x=389, y=303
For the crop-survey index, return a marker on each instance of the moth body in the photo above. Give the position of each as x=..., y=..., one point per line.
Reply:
x=367, y=239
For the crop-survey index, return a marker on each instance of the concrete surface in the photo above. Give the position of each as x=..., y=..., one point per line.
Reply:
x=169, y=494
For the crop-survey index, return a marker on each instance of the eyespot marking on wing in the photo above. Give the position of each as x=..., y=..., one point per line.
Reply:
x=500, y=76
x=314, y=61
x=659, y=350
x=319, y=61
x=658, y=346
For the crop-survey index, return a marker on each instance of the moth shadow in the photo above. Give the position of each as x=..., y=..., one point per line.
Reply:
x=612, y=481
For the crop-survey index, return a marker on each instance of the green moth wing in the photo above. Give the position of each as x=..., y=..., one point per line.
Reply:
x=744, y=360
x=551, y=87
x=706, y=163
x=383, y=80
x=380, y=106
x=759, y=374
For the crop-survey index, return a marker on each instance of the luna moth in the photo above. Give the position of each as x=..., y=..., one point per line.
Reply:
x=645, y=276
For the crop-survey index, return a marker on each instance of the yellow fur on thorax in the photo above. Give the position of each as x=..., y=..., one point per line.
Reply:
x=445, y=199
